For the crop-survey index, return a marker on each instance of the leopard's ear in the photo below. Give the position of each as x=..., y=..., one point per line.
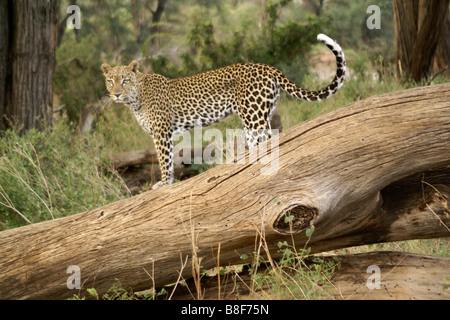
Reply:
x=134, y=66
x=105, y=68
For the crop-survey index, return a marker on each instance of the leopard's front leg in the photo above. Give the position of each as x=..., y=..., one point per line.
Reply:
x=164, y=151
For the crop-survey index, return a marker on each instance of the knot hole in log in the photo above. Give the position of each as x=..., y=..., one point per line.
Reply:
x=295, y=220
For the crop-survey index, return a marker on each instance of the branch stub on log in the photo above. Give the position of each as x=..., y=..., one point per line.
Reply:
x=295, y=220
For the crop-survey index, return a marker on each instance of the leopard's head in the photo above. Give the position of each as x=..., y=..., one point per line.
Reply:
x=121, y=82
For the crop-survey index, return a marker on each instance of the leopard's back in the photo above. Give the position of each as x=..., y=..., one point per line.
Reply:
x=206, y=98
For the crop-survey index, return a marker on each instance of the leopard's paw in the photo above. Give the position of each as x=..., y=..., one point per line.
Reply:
x=157, y=185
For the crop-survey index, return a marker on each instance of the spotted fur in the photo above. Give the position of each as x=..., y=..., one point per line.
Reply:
x=165, y=107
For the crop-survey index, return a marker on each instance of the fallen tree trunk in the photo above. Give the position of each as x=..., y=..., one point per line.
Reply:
x=375, y=171
x=401, y=276
x=134, y=158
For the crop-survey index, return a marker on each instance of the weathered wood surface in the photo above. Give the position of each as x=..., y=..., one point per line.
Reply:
x=402, y=276
x=374, y=171
x=133, y=158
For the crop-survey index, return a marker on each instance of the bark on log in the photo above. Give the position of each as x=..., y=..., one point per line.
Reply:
x=375, y=171
x=402, y=276
x=418, y=29
x=32, y=33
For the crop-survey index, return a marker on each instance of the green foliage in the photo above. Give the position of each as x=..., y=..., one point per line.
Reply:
x=117, y=131
x=92, y=292
x=105, y=29
x=281, y=45
x=349, y=24
x=296, y=275
x=117, y=292
x=309, y=231
x=446, y=286
x=77, y=81
x=51, y=174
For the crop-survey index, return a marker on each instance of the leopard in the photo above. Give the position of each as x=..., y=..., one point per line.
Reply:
x=167, y=107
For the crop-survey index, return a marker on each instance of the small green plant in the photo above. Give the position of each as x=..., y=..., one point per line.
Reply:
x=296, y=275
x=446, y=286
x=309, y=231
x=117, y=292
x=93, y=293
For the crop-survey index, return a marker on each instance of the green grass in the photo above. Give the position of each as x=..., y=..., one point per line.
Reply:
x=52, y=174
x=117, y=131
x=297, y=275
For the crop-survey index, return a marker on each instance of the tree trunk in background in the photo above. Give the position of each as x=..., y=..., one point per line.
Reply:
x=32, y=28
x=315, y=6
x=142, y=23
x=156, y=19
x=418, y=29
x=4, y=40
x=63, y=26
x=442, y=56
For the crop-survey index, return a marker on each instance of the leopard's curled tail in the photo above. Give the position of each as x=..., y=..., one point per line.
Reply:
x=303, y=94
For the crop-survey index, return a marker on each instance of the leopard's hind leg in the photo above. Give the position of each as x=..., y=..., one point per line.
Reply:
x=164, y=151
x=256, y=114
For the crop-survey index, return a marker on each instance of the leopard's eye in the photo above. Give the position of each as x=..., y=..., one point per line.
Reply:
x=125, y=81
x=110, y=82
